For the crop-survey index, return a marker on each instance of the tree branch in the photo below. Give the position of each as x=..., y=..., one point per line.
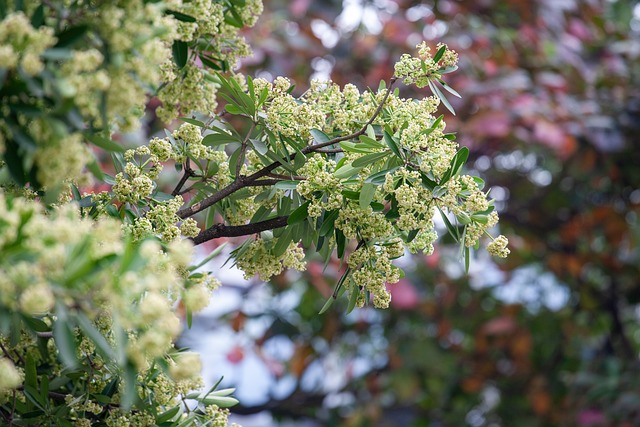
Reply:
x=188, y=173
x=263, y=182
x=222, y=230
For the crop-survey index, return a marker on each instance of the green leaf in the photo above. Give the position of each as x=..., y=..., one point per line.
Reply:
x=217, y=251
x=259, y=146
x=466, y=259
x=233, y=109
x=102, y=346
x=233, y=18
x=441, y=96
x=71, y=35
x=319, y=136
x=341, y=242
x=437, y=122
x=34, y=397
x=371, y=133
x=391, y=143
x=214, y=139
x=352, y=147
x=369, y=159
x=181, y=16
x=287, y=185
x=180, y=53
x=449, y=89
x=300, y=214
x=378, y=178
x=327, y=304
x=282, y=243
x=222, y=392
x=438, y=56
x=453, y=231
x=167, y=415
x=428, y=182
x=37, y=18
x=35, y=324
x=30, y=372
x=284, y=163
x=64, y=338
x=57, y=54
x=412, y=235
x=130, y=387
x=328, y=222
x=353, y=296
x=457, y=162
x=106, y=144
x=192, y=121
x=220, y=401
x=366, y=195
x=447, y=70
x=110, y=389
x=346, y=171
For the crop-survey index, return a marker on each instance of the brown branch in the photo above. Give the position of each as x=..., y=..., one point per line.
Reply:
x=329, y=150
x=236, y=185
x=222, y=230
x=263, y=182
x=188, y=173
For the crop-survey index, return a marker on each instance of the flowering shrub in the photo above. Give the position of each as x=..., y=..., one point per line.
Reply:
x=90, y=282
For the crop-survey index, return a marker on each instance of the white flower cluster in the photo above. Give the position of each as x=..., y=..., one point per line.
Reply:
x=420, y=70
x=108, y=80
x=21, y=45
x=320, y=182
x=358, y=223
x=60, y=156
x=259, y=259
x=190, y=89
x=498, y=247
x=59, y=263
x=373, y=270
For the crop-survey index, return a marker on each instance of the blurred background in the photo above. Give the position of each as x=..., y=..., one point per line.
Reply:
x=549, y=337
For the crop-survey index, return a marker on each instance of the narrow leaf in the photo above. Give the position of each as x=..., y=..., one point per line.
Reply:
x=438, y=56
x=366, y=195
x=391, y=143
x=300, y=214
x=353, y=296
x=180, y=53
x=453, y=231
x=449, y=89
x=369, y=159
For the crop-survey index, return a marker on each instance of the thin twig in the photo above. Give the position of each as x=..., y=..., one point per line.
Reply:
x=263, y=183
x=222, y=230
x=188, y=173
x=6, y=353
x=243, y=149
